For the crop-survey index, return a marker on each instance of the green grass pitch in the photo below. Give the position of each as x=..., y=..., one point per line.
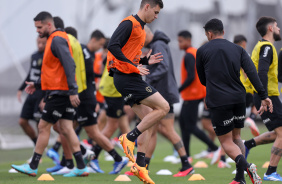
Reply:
x=212, y=174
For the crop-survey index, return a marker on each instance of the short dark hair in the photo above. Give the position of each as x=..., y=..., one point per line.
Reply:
x=262, y=23
x=152, y=3
x=106, y=43
x=215, y=26
x=58, y=22
x=185, y=34
x=97, y=34
x=72, y=31
x=239, y=39
x=43, y=16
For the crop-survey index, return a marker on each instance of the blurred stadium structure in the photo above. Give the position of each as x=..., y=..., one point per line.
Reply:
x=18, y=35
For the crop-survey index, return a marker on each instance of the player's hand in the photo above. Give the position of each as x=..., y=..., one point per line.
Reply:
x=30, y=88
x=266, y=103
x=74, y=100
x=143, y=71
x=42, y=105
x=156, y=58
x=19, y=96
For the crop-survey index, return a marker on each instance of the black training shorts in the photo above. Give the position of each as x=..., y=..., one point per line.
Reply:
x=114, y=107
x=57, y=107
x=226, y=118
x=86, y=115
x=30, y=109
x=132, y=88
x=271, y=120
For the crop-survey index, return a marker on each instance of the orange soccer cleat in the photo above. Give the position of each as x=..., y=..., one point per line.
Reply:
x=141, y=173
x=128, y=147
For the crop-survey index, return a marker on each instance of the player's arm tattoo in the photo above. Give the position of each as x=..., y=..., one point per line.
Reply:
x=240, y=144
x=178, y=145
x=276, y=151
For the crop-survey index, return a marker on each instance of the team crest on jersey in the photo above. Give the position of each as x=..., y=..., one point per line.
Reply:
x=39, y=62
x=148, y=89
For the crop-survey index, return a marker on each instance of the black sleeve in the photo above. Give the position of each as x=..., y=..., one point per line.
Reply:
x=265, y=60
x=189, y=62
x=119, y=39
x=60, y=49
x=250, y=70
x=22, y=87
x=280, y=66
x=200, y=67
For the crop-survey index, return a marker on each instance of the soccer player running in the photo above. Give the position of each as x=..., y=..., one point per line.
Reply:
x=265, y=58
x=192, y=92
x=30, y=109
x=162, y=78
x=218, y=64
x=58, y=80
x=126, y=66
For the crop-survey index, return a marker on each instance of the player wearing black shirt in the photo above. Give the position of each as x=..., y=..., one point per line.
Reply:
x=218, y=64
x=30, y=109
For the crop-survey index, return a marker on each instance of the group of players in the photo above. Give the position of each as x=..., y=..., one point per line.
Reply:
x=66, y=81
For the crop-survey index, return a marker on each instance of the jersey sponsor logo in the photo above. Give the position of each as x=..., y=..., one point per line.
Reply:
x=70, y=110
x=86, y=53
x=34, y=74
x=80, y=118
x=148, y=89
x=266, y=120
x=228, y=121
x=265, y=52
x=56, y=113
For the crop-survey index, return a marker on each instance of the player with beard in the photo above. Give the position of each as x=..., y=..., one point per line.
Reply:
x=58, y=80
x=265, y=58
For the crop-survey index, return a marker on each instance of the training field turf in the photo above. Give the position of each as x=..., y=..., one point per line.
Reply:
x=212, y=174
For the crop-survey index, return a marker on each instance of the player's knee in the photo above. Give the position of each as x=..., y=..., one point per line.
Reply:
x=165, y=108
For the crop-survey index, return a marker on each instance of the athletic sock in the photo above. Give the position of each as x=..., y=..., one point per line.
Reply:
x=253, y=116
x=270, y=170
x=185, y=163
x=83, y=150
x=241, y=165
x=57, y=146
x=69, y=164
x=223, y=158
x=250, y=143
x=79, y=160
x=34, y=140
x=115, y=155
x=147, y=162
x=63, y=161
x=35, y=160
x=209, y=150
x=97, y=150
x=140, y=159
x=132, y=136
